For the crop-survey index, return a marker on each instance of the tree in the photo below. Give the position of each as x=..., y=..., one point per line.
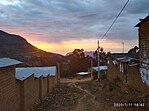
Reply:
x=79, y=53
x=78, y=62
x=102, y=56
x=134, y=50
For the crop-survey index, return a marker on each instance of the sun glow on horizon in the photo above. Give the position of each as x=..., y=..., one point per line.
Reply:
x=65, y=47
x=43, y=46
x=88, y=45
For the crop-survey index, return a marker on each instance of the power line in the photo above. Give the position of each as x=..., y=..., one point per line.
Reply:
x=115, y=20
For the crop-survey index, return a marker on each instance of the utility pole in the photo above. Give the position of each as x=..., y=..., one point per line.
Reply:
x=58, y=72
x=98, y=60
x=123, y=47
x=91, y=69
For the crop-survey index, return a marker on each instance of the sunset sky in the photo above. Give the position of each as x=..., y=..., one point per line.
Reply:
x=60, y=26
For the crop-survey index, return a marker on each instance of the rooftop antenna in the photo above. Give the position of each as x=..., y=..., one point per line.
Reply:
x=123, y=47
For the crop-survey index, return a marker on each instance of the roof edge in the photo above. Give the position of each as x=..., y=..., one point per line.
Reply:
x=142, y=21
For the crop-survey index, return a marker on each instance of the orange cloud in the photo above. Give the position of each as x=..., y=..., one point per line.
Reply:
x=87, y=45
x=68, y=46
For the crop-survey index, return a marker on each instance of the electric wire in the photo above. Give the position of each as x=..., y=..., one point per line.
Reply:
x=115, y=20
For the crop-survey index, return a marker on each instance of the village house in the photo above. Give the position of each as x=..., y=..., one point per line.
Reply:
x=131, y=68
x=118, y=65
x=125, y=66
x=36, y=83
x=144, y=48
x=9, y=88
x=22, y=88
x=102, y=70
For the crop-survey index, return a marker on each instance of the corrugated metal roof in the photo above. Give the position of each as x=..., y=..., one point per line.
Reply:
x=4, y=62
x=128, y=55
x=115, y=62
x=82, y=73
x=24, y=73
x=131, y=65
x=101, y=68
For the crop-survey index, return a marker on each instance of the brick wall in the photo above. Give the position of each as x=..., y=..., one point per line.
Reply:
x=144, y=39
x=9, y=90
x=144, y=49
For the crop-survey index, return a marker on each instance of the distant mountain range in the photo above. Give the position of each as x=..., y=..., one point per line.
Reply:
x=15, y=46
x=87, y=53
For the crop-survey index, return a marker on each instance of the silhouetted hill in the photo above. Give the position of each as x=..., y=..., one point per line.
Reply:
x=15, y=46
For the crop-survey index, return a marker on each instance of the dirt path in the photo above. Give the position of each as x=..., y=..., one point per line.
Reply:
x=75, y=80
x=80, y=95
x=86, y=91
x=87, y=102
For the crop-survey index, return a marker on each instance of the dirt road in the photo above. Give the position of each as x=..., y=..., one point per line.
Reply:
x=83, y=95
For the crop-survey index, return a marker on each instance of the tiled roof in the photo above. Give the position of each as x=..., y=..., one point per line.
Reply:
x=4, y=62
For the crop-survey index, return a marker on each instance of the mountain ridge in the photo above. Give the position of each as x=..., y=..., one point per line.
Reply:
x=17, y=47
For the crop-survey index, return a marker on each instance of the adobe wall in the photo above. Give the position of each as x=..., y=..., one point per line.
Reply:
x=9, y=90
x=114, y=71
x=17, y=95
x=51, y=84
x=54, y=81
x=31, y=91
x=111, y=72
x=135, y=80
x=44, y=87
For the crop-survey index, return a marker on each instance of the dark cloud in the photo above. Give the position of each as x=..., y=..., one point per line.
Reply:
x=138, y=7
x=64, y=20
